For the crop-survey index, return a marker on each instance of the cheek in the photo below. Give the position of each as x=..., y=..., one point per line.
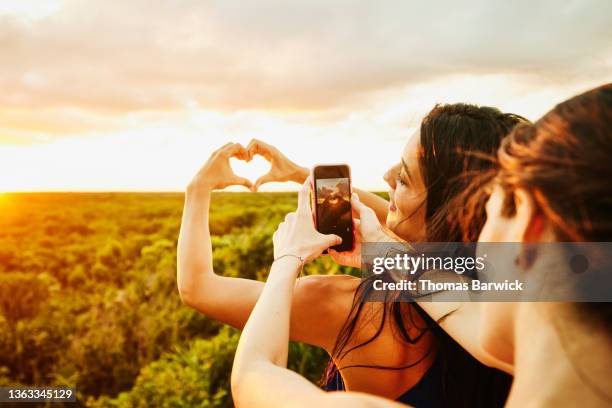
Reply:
x=408, y=221
x=406, y=201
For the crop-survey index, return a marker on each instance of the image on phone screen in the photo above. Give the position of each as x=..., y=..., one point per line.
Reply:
x=333, y=206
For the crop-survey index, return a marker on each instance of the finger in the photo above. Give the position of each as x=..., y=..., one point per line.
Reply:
x=357, y=229
x=332, y=240
x=263, y=149
x=335, y=255
x=241, y=181
x=354, y=212
x=236, y=150
x=339, y=257
x=266, y=178
x=365, y=213
x=251, y=148
x=304, y=196
x=222, y=148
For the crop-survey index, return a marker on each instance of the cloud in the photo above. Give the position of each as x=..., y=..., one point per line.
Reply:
x=115, y=57
x=24, y=126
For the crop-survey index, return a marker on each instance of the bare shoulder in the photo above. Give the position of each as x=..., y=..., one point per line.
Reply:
x=321, y=304
x=328, y=284
x=334, y=293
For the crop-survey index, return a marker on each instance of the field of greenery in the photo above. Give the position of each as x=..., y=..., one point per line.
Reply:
x=88, y=295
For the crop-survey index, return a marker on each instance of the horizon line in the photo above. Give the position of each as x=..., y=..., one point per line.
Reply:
x=142, y=191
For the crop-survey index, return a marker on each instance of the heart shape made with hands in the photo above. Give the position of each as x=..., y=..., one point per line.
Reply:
x=251, y=170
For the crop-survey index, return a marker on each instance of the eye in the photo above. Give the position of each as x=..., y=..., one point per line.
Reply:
x=400, y=180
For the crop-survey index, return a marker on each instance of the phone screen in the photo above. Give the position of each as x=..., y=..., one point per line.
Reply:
x=333, y=203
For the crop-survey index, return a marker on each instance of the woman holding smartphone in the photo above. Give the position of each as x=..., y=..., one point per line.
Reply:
x=392, y=350
x=552, y=186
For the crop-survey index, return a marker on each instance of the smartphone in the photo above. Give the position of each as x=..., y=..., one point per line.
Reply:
x=332, y=203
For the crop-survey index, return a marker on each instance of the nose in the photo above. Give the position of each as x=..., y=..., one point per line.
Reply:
x=389, y=179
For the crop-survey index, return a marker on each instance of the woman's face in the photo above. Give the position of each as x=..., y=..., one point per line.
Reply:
x=407, y=194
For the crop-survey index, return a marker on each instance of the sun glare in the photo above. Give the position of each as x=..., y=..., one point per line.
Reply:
x=30, y=9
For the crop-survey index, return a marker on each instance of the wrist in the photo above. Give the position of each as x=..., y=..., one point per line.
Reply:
x=300, y=174
x=198, y=189
x=290, y=254
x=287, y=265
x=296, y=251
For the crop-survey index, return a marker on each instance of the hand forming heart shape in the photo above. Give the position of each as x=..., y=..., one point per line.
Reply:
x=217, y=172
x=252, y=169
x=279, y=167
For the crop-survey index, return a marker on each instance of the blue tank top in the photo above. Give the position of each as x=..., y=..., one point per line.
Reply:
x=427, y=393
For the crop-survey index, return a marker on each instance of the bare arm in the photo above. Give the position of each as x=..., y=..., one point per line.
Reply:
x=262, y=384
x=259, y=377
x=461, y=320
x=199, y=287
x=231, y=300
x=375, y=202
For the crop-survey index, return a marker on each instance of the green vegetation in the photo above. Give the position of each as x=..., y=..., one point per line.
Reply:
x=88, y=295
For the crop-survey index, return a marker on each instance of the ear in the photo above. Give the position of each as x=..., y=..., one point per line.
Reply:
x=529, y=223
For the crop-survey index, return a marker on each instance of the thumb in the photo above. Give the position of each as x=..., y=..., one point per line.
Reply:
x=357, y=225
x=304, y=196
x=332, y=240
x=366, y=214
x=335, y=255
x=266, y=178
x=241, y=181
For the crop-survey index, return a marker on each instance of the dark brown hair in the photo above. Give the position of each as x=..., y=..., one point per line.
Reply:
x=458, y=144
x=563, y=162
x=457, y=141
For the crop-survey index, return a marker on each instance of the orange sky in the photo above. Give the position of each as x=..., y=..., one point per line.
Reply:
x=129, y=96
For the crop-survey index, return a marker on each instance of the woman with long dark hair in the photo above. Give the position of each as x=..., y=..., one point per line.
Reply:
x=388, y=349
x=552, y=187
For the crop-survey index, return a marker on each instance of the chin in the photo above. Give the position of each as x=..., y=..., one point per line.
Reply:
x=391, y=224
x=388, y=222
x=392, y=219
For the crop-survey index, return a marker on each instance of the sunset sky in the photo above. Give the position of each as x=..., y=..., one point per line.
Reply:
x=134, y=95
